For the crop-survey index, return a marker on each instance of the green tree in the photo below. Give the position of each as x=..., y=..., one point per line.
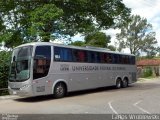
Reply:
x=30, y=20
x=4, y=69
x=11, y=26
x=97, y=39
x=78, y=43
x=45, y=20
x=137, y=35
x=112, y=48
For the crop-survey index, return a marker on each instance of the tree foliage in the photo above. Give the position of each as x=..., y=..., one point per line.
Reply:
x=4, y=68
x=27, y=21
x=97, y=39
x=78, y=43
x=111, y=47
x=44, y=23
x=137, y=35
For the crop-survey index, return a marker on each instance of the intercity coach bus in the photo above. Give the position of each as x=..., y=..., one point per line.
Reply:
x=44, y=68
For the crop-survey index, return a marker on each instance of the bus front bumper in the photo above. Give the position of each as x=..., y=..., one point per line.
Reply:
x=23, y=92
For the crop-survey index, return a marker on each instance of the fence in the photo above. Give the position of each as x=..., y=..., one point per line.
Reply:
x=3, y=91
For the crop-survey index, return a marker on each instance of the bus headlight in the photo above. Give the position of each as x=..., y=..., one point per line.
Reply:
x=24, y=87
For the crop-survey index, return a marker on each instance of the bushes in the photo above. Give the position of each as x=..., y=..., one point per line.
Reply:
x=4, y=70
x=147, y=72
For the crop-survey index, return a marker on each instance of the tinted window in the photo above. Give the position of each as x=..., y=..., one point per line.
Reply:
x=116, y=58
x=108, y=58
x=103, y=58
x=124, y=59
x=42, y=60
x=62, y=54
x=91, y=57
x=133, y=61
x=127, y=60
x=80, y=55
x=75, y=55
x=98, y=57
x=94, y=57
x=57, y=54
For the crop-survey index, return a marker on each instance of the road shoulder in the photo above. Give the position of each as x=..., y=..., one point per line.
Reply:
x=5, y=97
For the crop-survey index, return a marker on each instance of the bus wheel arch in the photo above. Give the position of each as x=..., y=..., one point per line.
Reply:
x=125, y=82
x=60, y=89
x=118, y=82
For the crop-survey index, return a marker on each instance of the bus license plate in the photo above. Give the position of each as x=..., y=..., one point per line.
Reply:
x=14, y=92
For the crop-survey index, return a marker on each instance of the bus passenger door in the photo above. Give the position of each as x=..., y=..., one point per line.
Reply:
x=41, y=68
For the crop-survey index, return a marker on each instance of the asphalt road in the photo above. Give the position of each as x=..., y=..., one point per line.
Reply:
x=139, y=98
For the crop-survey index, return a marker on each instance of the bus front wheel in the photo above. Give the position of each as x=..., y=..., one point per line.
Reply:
x=60, y=90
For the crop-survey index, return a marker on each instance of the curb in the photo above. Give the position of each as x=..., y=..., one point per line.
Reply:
x=5, y=97
x=148, y=80
x=142, y=79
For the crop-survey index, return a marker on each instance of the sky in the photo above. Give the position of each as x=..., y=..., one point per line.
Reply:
x=149, y=9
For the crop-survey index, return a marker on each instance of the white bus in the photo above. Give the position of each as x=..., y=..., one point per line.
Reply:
x=44, y=68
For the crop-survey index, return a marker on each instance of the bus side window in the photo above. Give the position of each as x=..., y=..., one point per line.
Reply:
x=66, y=55
x=42, y=60
x=98, y=58
x=91, y=58
x=123, y=59
x=108, y=58
x=94, y=57
x=62, y=54
x=120, y=59
x=102, y=57
x=127, y=59
x=133, y=60
x=115, y=58
x=75, y=55
x=80, y=55
x=57, y=55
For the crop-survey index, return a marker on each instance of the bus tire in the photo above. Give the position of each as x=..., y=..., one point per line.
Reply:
x=118, y=83
x=60, y=90
x=125, y=83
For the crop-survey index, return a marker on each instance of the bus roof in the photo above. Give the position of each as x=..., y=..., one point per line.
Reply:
x=98, y=49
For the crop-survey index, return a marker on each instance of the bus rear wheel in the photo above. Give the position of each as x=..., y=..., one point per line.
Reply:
x=118, y=83
x=60, y=90
x=125, y=83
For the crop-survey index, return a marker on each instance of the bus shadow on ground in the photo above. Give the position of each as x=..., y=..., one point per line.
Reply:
x=71, y=94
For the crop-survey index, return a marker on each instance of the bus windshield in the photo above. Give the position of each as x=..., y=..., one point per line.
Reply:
x=20, y=64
